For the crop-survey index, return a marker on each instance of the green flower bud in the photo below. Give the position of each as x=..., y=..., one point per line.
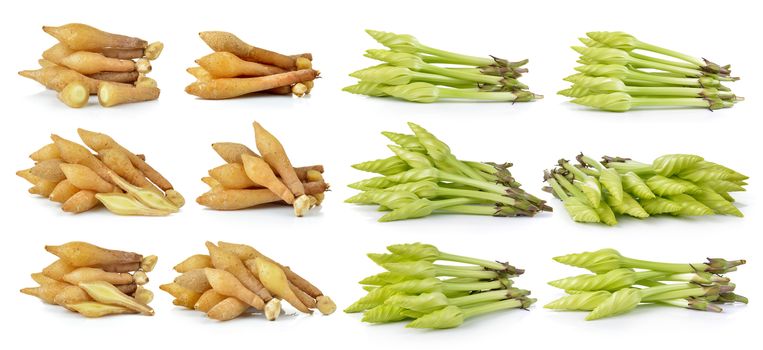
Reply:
x=422, y=189
x=583, y=301
x=386, y=166
x=634, y=185
x=721, y=186
x=374, y=183
x=620, y=302
x=398, y=59
x=617, y=40
x=613, y=102
x=600, y=261
x=604, y=55
x=709, y=171
x=628, y=205
x=415, y=251
x=580, y=211
x=658, y=205
x=671, y=164
x=610, y=281
x=435, y=148
x=408, y=142
x=689, y=206
x=366, y=88
x=716, y=202
x=384, y=278
x=666, y=186
x=448, y=317
x=373, y=299
x=387, y=258
x=414, y=160
x=424, y=303
x=590, y=42
x=384, y=313
x=601, y=84
x=416, y=269
x=610, y=179
x=415, y=175
x=414, y=92
x=417, y=286
x=604, y=70
x=397, y=42
x=606, y=215
x=576, y=91
x=387, y=75
x=416, y=209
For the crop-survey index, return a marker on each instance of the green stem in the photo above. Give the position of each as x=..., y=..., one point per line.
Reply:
x=558, y=190
x=677, y=294
x=592, y=162
x=471, y=210
x=491, y=307
x=644, y=83
x=668, y=80
x=478, y=78
x=448, y=192
x=483, y=185
x=667, y=67
x=663, y=101
x=675, y=91
x=641, y=169
x=469, y=260
x=659, y=266
x=455, y=271
x=650, y=292
x=654, y=48
x=468, y=287
x=477, y=95
x=577, y=173
x=576, y=192
x=664, y=61
x=449, y=58
x=437, y=79
x=478, y=298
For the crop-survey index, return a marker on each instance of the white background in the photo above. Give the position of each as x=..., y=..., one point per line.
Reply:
x=339, y=129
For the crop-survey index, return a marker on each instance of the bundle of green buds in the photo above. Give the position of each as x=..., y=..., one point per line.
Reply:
x=415, y=72
x=434, y=295
x=675, y=184
x=618, y=73
x=424, y=177
x=620, y=284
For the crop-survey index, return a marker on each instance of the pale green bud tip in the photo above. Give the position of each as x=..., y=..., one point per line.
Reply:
x=358, y=198
x=581, y=49
x=613, y=102
x=618, y=303
x=366, y=88
x=448, y=317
